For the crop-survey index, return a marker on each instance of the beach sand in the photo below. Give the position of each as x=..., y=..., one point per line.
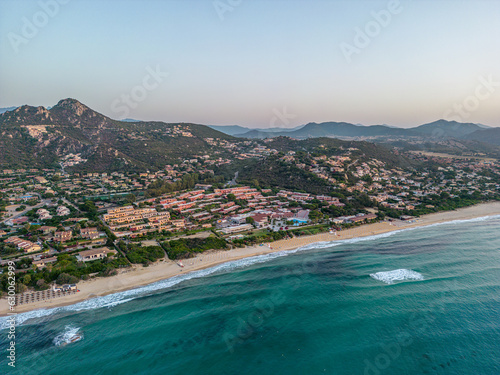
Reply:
x=138, y=276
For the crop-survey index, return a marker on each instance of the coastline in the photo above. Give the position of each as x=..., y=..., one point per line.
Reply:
x=138, y=276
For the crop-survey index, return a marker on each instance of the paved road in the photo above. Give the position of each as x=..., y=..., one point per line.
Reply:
x=29, y=208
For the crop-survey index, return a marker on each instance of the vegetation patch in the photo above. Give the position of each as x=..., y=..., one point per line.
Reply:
x=188, y=247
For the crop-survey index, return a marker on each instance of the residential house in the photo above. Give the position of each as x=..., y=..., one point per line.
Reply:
x=94, y=254
x=90, y=233
x=62, y=236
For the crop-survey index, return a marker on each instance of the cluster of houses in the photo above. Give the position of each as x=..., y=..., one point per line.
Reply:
x=219, y=207
x=44, y=214
x=82, y=256
x=129, y=220
x=23, y=244
x=232, y=209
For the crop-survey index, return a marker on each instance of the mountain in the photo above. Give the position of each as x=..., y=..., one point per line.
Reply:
x=448, y=129
x=331, y=129
x=491, y=136
x=130, y=120
x=273, y=171
x=484, y=126
x=261, y=134
x=239, y=131
x=438, y=130
x=38, y=137
x=3, y=110
x=230, y=129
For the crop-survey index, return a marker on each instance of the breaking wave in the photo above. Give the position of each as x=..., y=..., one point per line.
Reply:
x=68, y=336
x=389, y=277
x=115, y=299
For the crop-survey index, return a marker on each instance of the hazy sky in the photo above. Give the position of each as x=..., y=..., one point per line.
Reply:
x=256, y=63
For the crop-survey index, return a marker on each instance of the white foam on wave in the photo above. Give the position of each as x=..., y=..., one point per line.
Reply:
x=115, y=299
x=389, y=277
x=70, y=335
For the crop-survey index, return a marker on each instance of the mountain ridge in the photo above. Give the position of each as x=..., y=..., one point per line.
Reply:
x=41, y=137
x=38, y=137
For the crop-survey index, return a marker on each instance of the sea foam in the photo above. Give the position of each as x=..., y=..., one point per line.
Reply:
x=119, y=298
x=389, y=277
x=69, y=335
x=115, y=299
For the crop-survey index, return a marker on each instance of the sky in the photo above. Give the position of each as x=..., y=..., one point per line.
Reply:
x=256, y=63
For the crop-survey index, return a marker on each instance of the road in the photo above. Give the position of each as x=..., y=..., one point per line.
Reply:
x=29, y=208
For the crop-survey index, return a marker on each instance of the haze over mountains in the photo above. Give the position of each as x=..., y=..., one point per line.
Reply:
x=39, y=137
x=3, y=110
x=440, y=128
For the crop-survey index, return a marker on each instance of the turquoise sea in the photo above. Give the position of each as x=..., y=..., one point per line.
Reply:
x=421, y=301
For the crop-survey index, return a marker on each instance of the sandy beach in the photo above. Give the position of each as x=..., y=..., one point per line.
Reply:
x=139, y=276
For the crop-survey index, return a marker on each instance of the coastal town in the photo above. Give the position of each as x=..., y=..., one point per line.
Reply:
x=249, y=187
x=61, y=227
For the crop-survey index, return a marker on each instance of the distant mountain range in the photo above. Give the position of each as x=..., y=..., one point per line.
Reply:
x=130, y=120
x=239, y=131
x=436, y=130
x=3, y=110
x=41, y=137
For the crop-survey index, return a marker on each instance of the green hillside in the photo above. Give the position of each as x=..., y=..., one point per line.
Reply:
x=37, y=137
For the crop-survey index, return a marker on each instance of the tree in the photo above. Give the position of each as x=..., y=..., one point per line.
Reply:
x=250, y=220
x=367, y=178
x=315, y=215
x=65, y=278
x=20, y=288
x=130, y=198
x=90, y=207
x=26, y=279
x=41, y=284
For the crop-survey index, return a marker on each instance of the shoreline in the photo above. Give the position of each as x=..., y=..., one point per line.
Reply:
x=139, y=276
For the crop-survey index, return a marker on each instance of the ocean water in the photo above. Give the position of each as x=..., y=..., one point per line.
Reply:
x=421, y=301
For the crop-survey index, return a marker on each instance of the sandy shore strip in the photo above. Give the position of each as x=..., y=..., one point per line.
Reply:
x=139, y=276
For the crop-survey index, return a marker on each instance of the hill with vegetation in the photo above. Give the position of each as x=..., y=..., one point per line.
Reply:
x=38, y=137
x=434, y=131
x=275, y=172
x=448, y=129
x=491, y=136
